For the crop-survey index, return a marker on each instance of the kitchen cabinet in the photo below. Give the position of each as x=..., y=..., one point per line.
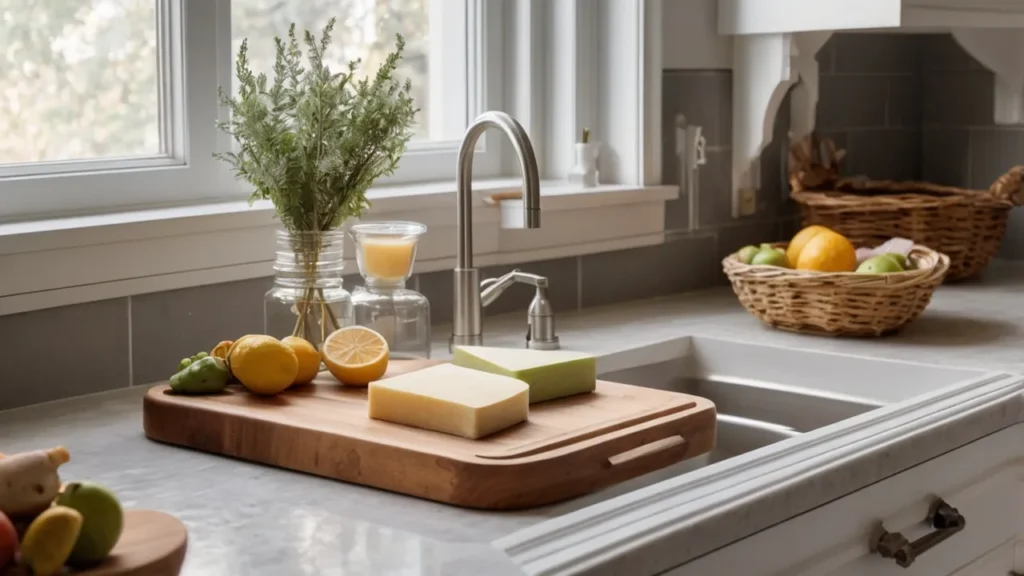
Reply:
x=983, y=480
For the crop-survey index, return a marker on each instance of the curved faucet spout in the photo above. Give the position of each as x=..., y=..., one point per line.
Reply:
x=467, y=323
x=464, y=178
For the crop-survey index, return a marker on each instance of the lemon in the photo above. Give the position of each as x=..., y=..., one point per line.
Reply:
x=356, y=355
x=828, y=252
x=263, y=364
x=309, y=358
x=796, y=245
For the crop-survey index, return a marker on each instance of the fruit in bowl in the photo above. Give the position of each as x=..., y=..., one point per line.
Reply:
x=764, y=255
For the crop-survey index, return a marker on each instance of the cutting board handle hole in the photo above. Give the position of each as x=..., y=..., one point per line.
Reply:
x=647, y=450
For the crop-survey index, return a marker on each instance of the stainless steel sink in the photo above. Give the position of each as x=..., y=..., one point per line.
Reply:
x=751, y=414
x=764, y=394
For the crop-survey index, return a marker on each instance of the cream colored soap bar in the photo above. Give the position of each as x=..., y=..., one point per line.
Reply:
x=451, y=399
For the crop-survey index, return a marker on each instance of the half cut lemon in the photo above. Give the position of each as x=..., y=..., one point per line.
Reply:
x=356, y=355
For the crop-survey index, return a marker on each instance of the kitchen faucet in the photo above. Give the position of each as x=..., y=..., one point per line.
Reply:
x=469, y=294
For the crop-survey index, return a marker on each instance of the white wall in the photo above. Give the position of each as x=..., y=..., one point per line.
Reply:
x=690, y=38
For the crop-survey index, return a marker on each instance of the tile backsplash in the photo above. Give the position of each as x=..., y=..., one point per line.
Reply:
x=904, y=106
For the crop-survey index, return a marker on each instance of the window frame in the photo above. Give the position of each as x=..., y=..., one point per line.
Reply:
x=186, y=173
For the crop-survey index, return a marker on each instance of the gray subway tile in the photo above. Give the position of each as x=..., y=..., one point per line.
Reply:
x=945, y=157
x=562, y=289
x=943, y=52
x=1013, y=243
x=622, y=275
x=958, y=98
x=852, y=102
x=993, y=151
x=167, y=326
x=884, y=154
x=904, y=108
x=875, y=53
x=714, y=191
x=704, y=97
x=63, y=352
x=826, y=56
x=677, y=212
x=437, y=287
x=647, y=271
x=689, y=263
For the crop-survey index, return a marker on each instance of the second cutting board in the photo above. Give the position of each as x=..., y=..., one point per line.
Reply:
x=568, y=448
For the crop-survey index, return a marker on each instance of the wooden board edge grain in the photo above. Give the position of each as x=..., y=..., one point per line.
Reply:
x=356, y=460
x=570, y=472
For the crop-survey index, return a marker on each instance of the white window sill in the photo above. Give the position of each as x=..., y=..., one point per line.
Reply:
x=71, y=260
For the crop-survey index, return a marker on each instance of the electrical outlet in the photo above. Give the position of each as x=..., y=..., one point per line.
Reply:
x=747, y=201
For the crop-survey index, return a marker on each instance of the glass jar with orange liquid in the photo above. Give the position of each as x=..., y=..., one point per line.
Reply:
x=385, y=252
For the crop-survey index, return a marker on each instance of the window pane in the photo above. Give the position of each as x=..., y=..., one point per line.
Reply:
x=78, y=80
x=364, y=29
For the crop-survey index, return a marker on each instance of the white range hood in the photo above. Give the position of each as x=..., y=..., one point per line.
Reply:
x=775, y=43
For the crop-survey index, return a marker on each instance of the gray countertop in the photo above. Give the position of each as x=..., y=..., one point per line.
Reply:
x=249, y=519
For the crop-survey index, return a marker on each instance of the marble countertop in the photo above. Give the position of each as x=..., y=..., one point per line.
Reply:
x=250, y=519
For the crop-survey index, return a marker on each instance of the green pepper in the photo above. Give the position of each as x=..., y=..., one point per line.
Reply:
x=207, y=375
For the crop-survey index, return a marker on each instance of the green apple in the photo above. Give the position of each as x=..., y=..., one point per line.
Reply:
x=879, y=265
x=747, y=253
x=771, y=257
x=102, y=521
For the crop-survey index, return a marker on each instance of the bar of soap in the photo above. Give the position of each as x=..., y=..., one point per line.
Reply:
x=450, y=399
x=550, y=373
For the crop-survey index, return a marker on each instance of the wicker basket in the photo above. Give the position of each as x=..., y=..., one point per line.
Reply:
x=966, y=225
x=841, y=303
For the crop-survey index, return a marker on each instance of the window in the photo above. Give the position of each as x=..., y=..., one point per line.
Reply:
x=367, y=33
x=78, y=82
x=106, y=104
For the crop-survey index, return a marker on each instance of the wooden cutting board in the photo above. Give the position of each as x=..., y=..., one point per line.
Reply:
x=152, y=544
x=569, y=447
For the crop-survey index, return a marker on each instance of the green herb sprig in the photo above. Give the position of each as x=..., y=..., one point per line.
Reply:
x=313, y=141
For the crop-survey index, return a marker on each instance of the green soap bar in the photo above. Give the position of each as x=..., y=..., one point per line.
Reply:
x=550, y=373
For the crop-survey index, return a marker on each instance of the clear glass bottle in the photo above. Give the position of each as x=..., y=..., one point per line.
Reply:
x=308, y=298
x=385, y=252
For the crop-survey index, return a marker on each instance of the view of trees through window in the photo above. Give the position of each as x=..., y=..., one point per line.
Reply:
x=79, y=78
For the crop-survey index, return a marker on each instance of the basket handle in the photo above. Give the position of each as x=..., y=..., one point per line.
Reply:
x=1010, y=186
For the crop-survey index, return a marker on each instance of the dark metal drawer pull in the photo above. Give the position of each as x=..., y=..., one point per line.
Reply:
x=946, y=521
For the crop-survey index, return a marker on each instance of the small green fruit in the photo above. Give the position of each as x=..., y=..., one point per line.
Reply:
x=771, y=257
x=747, y=253
x=185, y=363
x=898, y=258
x=199, y=356
x=879, y=265
x=103, y=521
x=766, y=245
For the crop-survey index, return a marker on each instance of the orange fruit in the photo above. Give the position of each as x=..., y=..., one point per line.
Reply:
x=796, y=245
x=221, y=349
x=828, y=252
x=356, y=355
x=309, y=358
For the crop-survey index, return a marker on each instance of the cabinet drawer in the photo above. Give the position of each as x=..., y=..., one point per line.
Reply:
x=1002, y=561
x=983, y=480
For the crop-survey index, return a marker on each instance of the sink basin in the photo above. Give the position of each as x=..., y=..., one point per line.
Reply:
x=751, y=414
x=766, y=394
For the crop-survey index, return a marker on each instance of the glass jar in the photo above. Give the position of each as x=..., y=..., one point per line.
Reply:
x=308, y=298
x=385, y=252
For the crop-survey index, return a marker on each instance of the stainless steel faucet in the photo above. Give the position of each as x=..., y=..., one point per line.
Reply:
x=467, y=327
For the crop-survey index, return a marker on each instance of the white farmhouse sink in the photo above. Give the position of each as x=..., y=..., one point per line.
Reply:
x=796, y=428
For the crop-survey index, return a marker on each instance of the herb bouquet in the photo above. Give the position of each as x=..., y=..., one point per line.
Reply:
x=313, y=141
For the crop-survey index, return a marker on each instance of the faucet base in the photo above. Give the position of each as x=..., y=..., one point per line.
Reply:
x=454, y=341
